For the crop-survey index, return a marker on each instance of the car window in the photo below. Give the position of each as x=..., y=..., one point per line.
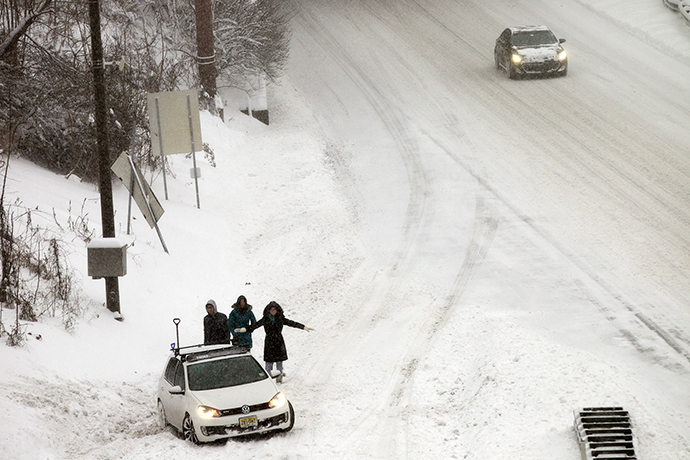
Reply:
x=534, y=38
x=170, y=370
x=179, y=375
x=223, y=373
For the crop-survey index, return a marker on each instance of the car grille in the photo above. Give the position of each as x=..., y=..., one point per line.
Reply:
x=235, y=429
x=541, y=67
x=238, y=410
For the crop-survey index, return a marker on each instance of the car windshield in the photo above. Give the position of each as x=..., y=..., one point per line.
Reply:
x=534, y=38
x=223, y=373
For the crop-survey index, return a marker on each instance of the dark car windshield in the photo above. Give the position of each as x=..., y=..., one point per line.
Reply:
x=223, y=373
x=534, y=38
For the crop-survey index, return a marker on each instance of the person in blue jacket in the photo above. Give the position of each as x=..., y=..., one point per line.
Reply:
x=240, y=317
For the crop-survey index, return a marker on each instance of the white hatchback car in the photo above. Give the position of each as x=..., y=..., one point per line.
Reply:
x=211, y=392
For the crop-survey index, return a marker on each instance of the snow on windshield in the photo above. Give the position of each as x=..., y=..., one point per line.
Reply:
x=534, y=38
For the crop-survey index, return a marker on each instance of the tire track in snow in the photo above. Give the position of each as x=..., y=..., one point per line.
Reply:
x=403, y=373
x=392, y=408
x=392, y=438
x=651, y=325
x=372, y=312
x=395, y=121
x=635, y=192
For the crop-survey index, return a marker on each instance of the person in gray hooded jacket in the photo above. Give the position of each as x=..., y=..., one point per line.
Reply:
x=216, y=328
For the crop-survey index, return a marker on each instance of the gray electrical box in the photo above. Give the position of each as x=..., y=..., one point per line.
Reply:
x=107, y=258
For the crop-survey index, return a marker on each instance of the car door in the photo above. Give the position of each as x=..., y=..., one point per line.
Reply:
x=173, y=403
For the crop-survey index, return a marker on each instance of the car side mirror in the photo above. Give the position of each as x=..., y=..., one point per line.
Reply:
x=561, y=40
x=176, y=390
x=275, y=373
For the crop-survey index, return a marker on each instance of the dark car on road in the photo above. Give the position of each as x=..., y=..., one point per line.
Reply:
x=530, y=50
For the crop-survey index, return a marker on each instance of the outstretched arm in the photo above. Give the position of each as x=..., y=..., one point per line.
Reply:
x=295, y=324
x=256, y=325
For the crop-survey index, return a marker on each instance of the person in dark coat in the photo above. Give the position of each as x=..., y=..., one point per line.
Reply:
x=273, y=321
x=241, y=316
x=216, y=328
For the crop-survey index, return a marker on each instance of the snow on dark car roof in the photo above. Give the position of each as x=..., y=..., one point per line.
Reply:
x=528, y=28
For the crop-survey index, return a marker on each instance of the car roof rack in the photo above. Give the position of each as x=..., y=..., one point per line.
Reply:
x=229, y=350
x=202, y=351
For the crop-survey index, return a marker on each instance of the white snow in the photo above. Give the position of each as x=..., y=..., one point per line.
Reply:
x=479, y=257
x=109, y=243
x=539, y=54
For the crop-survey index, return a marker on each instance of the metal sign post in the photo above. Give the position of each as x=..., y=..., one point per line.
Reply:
x=160, y=142
x=129, y=206
x=176, y=125
x=191, y=138
x=131, y=183
x=143, y=196
x=148, y=203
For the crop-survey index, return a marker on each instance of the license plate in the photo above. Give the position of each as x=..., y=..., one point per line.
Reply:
x=248, y=422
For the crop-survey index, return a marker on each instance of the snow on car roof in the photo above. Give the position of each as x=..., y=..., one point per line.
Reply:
x=200, y=352
x=527, y=28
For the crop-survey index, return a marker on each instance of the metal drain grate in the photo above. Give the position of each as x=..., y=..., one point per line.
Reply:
x=604, y=433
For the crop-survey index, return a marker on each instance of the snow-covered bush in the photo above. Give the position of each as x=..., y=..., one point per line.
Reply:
x=37, y=278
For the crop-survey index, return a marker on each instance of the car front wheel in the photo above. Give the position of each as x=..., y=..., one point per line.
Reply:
x=162, y=419
x=188, y=430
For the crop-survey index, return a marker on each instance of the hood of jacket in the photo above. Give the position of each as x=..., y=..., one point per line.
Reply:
x=213, y=304
x=273, y=303
x=238, y=304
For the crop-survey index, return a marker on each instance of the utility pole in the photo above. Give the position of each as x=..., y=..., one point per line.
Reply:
x=206, y=56
x=112, y=292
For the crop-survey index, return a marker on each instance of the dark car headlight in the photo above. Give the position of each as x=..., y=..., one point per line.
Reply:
x=516, y=58
x=562, y=55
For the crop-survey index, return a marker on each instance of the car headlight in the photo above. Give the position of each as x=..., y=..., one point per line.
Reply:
x=278, y=400
x=516, y=58
x=562, y=55
x=207, y=412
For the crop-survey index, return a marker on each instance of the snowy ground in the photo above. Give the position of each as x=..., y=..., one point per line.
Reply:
x=479, y=256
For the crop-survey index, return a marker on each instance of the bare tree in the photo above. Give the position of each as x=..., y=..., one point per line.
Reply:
x=46, y=110
x=16, y=20
x=252, y=37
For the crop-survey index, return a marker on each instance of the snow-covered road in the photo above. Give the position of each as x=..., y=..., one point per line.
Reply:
x=596, y=162
x=562, y=202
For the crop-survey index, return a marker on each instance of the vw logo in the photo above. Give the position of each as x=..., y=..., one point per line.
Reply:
x=245, y=409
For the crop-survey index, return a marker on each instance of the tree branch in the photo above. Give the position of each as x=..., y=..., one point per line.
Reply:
x=15, y=34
